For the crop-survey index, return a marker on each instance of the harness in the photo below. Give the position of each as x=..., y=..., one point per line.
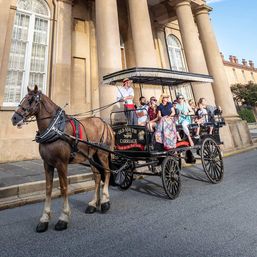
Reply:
x=54, y=130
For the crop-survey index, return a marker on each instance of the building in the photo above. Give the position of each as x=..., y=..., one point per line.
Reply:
x=239, y=72
x=67, y=46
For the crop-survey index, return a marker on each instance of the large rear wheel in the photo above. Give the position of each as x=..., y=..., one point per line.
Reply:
x=171, y=177
x=212, y=160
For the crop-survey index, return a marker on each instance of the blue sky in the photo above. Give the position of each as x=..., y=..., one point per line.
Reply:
x=235, y=25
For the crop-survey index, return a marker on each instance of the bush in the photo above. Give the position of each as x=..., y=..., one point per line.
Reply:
x=247, y=114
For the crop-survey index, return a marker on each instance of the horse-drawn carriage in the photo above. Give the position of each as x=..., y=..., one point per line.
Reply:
x=135, y=146
x=119, y=149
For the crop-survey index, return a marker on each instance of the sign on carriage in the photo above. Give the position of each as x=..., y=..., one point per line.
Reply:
x=130, y=137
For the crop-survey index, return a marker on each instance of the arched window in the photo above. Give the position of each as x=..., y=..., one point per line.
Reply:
x=29, y=50
x=175, y=53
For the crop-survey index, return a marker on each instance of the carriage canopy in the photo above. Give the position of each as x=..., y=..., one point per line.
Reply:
x=155, y=76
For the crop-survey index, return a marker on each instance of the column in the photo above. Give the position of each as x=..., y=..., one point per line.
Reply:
x=142, y=33
x=7, y=17
x=108, y=48
x=62, y=68
x=221, y=87
x=143, y=42
x=236, y=128
x=193, y=49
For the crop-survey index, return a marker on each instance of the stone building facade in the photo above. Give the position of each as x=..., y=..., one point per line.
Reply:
x=67, y=46
x=239, y=72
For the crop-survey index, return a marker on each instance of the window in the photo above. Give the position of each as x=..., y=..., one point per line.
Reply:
x=253, y=79
x=123, y=53
x=175, y=54
x=235, y=75
x=244, y=77
x=29, y=48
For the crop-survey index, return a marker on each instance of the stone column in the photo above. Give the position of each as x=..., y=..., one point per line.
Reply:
x=193, y=49
x=236, y=128
x=108, y=48
x=142, y=33
x=221, y=87
x=62, y=68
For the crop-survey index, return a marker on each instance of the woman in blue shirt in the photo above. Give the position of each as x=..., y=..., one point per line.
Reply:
x=166, y=129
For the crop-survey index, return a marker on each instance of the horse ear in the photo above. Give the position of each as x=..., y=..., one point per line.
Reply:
x=35, y=89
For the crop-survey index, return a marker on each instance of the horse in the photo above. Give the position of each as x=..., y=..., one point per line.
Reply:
x=58, y=153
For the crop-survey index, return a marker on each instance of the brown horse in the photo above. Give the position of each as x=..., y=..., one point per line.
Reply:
x=57, y=154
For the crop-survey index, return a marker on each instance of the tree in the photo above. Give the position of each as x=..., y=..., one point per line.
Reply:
x=246, y=94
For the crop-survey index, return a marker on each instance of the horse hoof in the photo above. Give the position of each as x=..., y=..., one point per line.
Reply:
x=105, y=207
x=61, y=225
x=42, y=227
x=90, y=209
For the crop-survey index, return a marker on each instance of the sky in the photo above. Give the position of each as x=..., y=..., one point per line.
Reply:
x=235, y=25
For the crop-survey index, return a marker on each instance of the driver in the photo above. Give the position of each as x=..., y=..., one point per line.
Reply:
x=125, y=94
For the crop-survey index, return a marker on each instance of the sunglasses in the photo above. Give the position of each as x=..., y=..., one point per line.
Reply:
x=155, y=100
x=181, y=98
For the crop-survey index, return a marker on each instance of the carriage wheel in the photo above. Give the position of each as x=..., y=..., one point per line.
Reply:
x=171, y=177
x=128, y=174
x=212, y=160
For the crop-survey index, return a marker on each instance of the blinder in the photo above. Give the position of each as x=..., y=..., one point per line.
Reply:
x=31, y=110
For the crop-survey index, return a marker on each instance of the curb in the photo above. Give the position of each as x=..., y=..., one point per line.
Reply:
x=33, y=192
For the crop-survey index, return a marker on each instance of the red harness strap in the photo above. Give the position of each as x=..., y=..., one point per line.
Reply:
x=80, y=133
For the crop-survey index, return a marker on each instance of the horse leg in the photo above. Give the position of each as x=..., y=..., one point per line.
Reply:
x=105, y=202
x=95, y=202
x=49, y=174
x=65, y=215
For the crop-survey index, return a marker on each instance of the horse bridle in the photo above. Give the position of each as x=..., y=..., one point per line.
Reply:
x=31, y=110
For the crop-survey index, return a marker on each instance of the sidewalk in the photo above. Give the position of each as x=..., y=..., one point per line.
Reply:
x=23, y=182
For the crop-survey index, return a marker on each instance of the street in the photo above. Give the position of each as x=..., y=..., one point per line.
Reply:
x=205, y=220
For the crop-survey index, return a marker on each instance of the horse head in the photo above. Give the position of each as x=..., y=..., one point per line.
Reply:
x=28, y=107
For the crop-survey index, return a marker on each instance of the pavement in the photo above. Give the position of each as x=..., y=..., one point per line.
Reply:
x=23, y=182
x=206, y=220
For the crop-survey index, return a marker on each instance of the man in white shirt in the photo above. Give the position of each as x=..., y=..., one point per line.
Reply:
x=125, y=94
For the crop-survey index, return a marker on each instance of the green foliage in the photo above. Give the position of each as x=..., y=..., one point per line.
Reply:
x=247, y=114
x=246, y=94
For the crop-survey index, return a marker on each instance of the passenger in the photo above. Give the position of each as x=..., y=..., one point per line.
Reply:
x=142, y=112
x=201, y=118
x=192, y=105
x=166, y=128
x=153, y=113
x=125, y=94
x=176, y=113
x=210, y=112
x=184, y=119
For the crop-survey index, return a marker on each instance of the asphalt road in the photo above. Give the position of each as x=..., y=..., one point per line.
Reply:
x=205, y=220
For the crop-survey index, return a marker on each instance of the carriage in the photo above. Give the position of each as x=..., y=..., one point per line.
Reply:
x=136, y=148
x=116, y=148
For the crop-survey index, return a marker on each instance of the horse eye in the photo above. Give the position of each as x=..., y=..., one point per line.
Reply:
x=31, y=100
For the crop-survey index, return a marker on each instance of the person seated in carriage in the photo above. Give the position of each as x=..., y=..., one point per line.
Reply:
x=201, y=118
x=142, y=112
x=165, y=133
x=205, y=113
x=152, y=114
x=184, y=111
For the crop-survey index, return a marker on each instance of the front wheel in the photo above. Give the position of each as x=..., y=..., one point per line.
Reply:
x=212, y=160
x=171, y=177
